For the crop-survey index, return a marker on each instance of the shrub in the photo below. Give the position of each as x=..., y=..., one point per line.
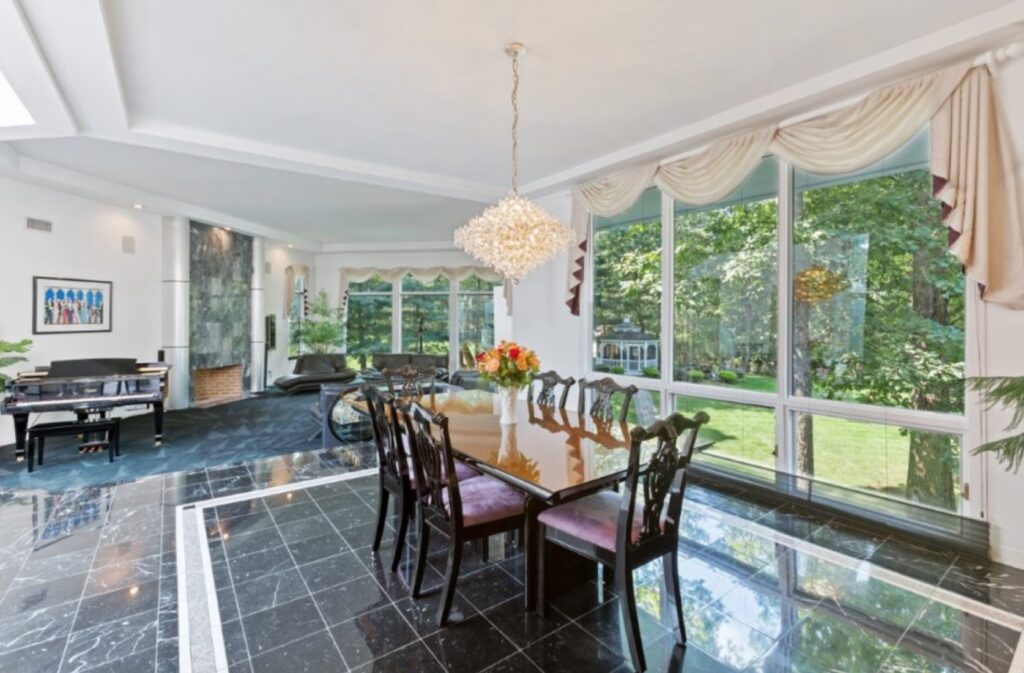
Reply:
x=652, y=373
x=726, y=376
x=695, y=375
x=617, y=370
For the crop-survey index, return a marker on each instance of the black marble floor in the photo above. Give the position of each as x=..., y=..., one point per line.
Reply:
x=88, y=582
x=269, y=425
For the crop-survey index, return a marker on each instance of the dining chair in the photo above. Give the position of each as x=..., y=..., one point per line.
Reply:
x=410, y=381
x=602, y=394
x=462, y=510
x=548, y=381
x=396, y=472
x=624, y=532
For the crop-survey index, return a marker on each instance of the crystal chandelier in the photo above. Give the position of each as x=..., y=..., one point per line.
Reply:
x=514, y=236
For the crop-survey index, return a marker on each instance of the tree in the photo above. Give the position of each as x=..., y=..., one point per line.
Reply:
x=323, y=330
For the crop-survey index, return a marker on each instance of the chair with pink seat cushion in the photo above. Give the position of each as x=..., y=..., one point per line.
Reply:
x=396, y=468
x=625, y=533
x=462, y=510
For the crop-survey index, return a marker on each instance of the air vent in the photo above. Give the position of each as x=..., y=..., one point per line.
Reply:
x=266, y=268
x=128, y=245
x=39, y=225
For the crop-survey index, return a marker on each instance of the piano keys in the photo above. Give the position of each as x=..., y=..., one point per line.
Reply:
x=86, y=387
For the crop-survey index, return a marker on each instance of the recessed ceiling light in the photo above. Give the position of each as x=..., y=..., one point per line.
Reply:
x=137, y=206
x=12, y=111
x=290, y=245
x=227, y=228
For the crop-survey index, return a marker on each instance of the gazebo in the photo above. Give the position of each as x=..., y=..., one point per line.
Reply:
x=627, y=346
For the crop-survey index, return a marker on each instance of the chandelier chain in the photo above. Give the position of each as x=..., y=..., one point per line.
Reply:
x=515, y=123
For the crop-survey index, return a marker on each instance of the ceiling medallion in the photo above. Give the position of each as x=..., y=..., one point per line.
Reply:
x=515, y=235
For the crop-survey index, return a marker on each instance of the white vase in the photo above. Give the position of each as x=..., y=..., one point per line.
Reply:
x=507, y=397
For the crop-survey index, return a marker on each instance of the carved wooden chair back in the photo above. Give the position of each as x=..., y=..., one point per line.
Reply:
x=432, y=461
x=546, y=396
x=386, y=433
x=409, y=381
x=602, y=394
x=663, y=482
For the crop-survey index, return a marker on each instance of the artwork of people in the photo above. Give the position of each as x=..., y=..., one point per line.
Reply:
x=73, y=306
x=70, y=305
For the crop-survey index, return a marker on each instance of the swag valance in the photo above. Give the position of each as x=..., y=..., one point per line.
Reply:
x=971, y=164
x=393, y=275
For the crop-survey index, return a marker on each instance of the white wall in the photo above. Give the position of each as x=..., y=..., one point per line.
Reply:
x=85, y=243
x=1002, y=353
x=540, y=318
x=281, y=257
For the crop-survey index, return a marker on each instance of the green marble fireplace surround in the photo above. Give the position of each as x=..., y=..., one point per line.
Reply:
x=220, y=304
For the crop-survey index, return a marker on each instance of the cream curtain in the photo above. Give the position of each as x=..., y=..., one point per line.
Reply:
x=970, y=160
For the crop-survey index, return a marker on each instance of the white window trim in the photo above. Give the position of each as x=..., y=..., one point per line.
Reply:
x=782, y=402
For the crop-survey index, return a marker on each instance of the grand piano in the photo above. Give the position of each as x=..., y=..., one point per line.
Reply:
x=86, y=387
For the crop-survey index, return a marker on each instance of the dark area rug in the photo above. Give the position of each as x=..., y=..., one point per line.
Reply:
x=269, y=425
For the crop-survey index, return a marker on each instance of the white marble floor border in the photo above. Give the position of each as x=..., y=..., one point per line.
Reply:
x=199, y=608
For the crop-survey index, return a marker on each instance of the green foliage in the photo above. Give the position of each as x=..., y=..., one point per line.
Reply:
x=726, y=376
x=651, y=372
x=616, y=369
x=6, y=360
x=695, y=375
x=1007, y=391
x=323, y=329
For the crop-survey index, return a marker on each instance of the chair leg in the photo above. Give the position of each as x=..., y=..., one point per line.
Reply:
x=117, y=440
x=542, y=582
x=421, y=554
x=670, y=564
x=454, y=561
x=382, y=515
x=630, y=619
x=30, y=453
x=404, y=514
x=111, y=434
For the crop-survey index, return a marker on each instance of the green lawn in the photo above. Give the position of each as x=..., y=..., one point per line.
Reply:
x=869, y=456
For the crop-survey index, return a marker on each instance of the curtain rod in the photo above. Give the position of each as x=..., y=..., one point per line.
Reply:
x=991, y=58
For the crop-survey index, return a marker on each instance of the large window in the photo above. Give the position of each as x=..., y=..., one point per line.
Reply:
x=425, y=315
x=819, y=321
x=725, y=287
x=296, y=312
x=369, y=317
x=627, y=290
x=421, y=315
x=476, y=314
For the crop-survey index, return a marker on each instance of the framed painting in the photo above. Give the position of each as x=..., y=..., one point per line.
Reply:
x=71, y=305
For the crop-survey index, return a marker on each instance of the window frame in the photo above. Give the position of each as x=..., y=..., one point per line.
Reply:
x=782, y=401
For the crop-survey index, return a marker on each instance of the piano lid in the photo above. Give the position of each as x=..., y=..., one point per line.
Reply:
x=62, y=369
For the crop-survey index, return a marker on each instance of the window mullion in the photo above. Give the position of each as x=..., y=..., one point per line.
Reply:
x=396, y=317
x=667, y=299
x=785, y=459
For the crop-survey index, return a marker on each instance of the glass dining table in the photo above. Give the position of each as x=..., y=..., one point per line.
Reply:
x=550, y=455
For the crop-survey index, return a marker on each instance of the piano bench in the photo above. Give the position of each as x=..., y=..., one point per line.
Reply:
x=38, y=433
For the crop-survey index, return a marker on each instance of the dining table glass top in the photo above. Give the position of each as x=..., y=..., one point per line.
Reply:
x=549, y=452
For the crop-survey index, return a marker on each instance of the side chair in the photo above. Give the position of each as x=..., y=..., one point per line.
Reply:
x=623, y=532
x=602, y=394
x=548, y=382
x=461, y=510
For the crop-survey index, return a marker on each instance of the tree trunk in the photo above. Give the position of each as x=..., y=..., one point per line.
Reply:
x=930, y=469
x=802, y=385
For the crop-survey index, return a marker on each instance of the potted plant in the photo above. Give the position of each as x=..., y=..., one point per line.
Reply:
x=6, y=360
x=510, y=367
x=1008, y=391
x=323, y=329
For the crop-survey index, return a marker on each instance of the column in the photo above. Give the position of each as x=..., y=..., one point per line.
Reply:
x=258, y=339
x=176, y=251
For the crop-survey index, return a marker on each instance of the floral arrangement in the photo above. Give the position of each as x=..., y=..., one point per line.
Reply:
x=508, y=365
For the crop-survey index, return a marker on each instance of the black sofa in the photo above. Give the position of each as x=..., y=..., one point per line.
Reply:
x=314, y=369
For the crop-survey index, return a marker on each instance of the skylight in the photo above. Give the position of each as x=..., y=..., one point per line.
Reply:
x=12, y=110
